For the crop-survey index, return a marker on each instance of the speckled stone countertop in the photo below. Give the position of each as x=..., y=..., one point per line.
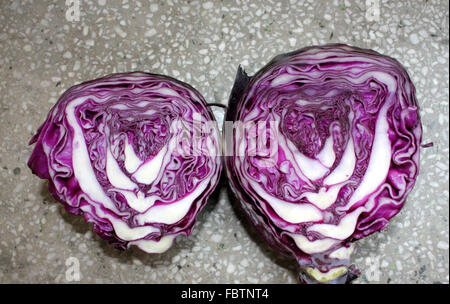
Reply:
x=44, y=50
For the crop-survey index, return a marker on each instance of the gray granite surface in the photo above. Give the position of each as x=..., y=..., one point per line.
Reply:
x=44, y=50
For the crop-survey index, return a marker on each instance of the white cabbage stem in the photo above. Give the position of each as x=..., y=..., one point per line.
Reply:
x=334, y=274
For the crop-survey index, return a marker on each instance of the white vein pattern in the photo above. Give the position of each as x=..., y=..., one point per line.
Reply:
x=125, y=156
x=323, y=190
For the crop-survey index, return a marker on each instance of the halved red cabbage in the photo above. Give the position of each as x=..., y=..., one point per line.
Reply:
x=341, y=135
x=134, y=153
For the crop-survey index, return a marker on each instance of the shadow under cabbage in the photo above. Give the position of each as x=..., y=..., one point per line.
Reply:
x=286, y=262
x=81, y=227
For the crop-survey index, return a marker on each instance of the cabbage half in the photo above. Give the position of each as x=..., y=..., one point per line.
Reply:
x=323, y=150
x=135, y=153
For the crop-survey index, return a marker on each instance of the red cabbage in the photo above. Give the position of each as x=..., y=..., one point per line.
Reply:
x=335, y=158
x=119, y=150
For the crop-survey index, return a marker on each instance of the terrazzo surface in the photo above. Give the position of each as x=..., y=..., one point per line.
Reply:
x=42, y=54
